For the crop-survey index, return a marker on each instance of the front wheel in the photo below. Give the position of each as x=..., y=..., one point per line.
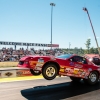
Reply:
x=92, y=78
x=35, y=73
x=49, y=71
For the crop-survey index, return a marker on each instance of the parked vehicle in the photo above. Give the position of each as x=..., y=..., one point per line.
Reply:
x=95, y=58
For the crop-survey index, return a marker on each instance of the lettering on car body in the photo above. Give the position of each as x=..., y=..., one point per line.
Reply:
x=78, y=65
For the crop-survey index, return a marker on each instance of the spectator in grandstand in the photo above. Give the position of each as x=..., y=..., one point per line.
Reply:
x=9, y=54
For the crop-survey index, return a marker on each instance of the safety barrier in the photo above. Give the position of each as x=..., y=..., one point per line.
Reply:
x=14, y=72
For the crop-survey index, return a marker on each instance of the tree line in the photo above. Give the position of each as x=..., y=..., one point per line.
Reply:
x=81, y=51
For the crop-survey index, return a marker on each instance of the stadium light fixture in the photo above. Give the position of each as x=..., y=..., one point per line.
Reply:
x=86, y=10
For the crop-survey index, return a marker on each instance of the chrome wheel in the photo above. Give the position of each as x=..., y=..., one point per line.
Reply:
x=93, y=77
x=50, y=71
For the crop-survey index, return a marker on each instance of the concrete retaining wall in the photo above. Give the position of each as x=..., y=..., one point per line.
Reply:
x=14, y=72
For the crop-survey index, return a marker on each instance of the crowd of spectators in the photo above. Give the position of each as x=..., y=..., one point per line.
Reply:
x=9, y=54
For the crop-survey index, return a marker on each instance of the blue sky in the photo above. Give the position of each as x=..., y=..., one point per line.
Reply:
x=30, y=21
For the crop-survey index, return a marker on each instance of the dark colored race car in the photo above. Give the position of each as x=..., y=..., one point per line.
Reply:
x=74, y=66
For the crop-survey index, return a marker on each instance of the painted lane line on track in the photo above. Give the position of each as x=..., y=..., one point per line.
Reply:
x=20, y=78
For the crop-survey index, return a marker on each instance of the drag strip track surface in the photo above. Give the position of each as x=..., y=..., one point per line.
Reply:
x=41, y=89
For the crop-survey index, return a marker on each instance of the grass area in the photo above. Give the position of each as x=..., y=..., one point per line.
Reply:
x=8, y=64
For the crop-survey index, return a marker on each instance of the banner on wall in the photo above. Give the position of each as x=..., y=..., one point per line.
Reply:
x=8, y=73
x=28, y=44
x=20, y=73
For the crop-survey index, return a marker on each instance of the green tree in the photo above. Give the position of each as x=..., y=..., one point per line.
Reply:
x=75, y=50
x=95, y=50
x=88, y=43
x=81, y=51
x=92, y=50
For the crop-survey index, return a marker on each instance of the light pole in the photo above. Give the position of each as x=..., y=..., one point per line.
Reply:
x=51, y=4
x=69, y=46
x=85, y=9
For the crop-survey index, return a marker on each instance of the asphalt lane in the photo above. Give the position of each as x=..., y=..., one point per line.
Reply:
x=40, y=89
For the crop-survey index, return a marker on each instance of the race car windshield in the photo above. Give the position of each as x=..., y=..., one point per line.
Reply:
x=64, y=56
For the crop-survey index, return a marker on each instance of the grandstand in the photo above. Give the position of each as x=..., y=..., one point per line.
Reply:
x=13, y=54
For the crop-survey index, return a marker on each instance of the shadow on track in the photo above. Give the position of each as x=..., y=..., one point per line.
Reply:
x=58, y=91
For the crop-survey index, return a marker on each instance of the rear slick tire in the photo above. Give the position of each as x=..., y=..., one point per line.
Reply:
x=35, y=73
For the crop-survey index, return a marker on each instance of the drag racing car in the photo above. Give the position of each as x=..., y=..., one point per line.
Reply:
x=74, y=66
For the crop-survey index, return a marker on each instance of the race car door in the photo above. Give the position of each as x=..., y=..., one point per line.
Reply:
x=78, y=65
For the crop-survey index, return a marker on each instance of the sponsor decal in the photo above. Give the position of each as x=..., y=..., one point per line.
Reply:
x=81, y=72
x=76, y=70
x=40, y=62
x=19, y=73
x=38, y=68
x=71, y=64
x=24, y=73
x=90, y=69
x=62, y=73
x=8, y=74
x=32, y=63
x=69, y=70
x=62, y=70
x=78, y=65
